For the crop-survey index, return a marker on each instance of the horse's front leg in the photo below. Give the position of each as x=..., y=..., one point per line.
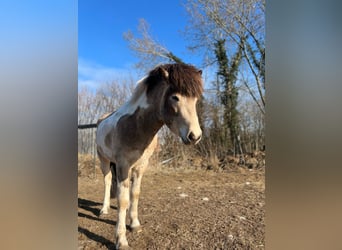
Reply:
x=134, y=198
x=123, y=203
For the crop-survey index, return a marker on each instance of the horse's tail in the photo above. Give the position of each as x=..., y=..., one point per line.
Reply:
x=114, y=185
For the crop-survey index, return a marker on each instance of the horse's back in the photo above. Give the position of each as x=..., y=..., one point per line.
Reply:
x=104, y=117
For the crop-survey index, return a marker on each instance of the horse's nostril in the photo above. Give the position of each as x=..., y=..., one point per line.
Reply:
x=192, y=137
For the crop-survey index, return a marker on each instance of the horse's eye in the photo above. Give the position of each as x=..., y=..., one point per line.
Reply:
x=175, y=98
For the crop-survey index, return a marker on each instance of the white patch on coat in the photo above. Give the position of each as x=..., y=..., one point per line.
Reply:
x=138, y=100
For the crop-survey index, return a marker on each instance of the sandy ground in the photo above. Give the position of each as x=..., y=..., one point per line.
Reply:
x=181, y=209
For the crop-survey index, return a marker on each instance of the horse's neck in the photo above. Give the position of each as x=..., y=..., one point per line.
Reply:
x=144, y=113
x=151, y=102
x=150, y=120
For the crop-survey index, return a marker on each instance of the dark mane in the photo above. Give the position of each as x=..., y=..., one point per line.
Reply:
x=183, y=78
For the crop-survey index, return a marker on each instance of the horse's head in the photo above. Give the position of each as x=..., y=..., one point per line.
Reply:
x=181, y=117
x=182, y=88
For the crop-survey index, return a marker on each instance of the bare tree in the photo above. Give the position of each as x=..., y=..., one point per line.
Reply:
x=107, y=98
x=147, y=49
x=252, y=123
x=233, y=20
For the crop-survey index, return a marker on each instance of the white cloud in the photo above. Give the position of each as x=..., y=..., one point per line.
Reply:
x=92, y=75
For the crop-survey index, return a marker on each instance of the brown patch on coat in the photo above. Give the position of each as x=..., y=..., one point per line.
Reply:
x=109, y=138
x=182, y=78
x=136, y=131
x=123, y=176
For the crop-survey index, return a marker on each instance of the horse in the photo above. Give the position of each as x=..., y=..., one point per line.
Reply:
x=127, y=138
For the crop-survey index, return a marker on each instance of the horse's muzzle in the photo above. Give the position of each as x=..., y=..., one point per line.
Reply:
x=191, y=139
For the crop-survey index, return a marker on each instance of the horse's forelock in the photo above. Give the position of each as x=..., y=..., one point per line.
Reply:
x=183, y=78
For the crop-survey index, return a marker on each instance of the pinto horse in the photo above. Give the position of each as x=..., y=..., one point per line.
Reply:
x=127, y=137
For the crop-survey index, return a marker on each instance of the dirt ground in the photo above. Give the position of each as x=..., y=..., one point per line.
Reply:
x=181, y=209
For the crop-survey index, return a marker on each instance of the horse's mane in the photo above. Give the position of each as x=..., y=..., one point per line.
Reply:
x=183, y=78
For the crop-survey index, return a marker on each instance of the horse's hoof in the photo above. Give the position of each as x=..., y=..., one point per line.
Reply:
x=125, y=247
x=103, y=213
x=136, y=229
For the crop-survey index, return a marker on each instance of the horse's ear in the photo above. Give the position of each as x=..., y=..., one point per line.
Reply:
x=200, y=72
x=164, y=72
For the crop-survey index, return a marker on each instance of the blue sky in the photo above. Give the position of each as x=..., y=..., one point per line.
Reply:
x=104, y=54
